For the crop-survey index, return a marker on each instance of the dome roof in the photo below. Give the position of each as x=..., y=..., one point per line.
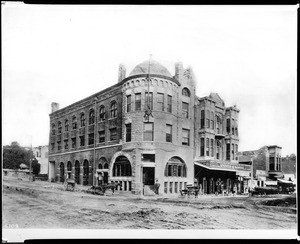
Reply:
x=155, y=69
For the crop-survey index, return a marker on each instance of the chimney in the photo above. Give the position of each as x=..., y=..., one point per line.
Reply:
x=122, y=72
x=54, y=107
x=178, y=70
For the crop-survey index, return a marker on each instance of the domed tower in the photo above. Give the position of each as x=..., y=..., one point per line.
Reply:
x=158, y=128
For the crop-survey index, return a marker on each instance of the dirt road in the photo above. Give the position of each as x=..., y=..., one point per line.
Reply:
x=46, y=205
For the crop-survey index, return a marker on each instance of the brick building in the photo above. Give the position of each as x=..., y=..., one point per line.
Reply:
x=109, y=137
x=267, y=164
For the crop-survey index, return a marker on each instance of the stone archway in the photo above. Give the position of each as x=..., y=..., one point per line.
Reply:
x=121, y=170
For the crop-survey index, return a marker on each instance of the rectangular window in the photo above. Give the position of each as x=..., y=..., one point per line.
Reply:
x=101, y=136
x=180, y=186
x=212, y=121
x=169, y=104
x=169, y=133
x=128, y=132
x=202, y=147
x=228, y=126
x=202, y=119
x=212, y=147
x=149, y=100
x=113, y=134
x=171, y=187
x=236, y=151
x=207, y=146
x=176, y=187
x=52, y=147
x=272, y=163
x=59, y=145
x=148, y=131
x=166, y=187
x=207, y=119
x=91, y=138
x=66, y=144
x=82, y=141
x=232, y=151
x=228, y=151
x=185, y=137
x=185, y=110
x=138, y=102
x=160, y=102
x=232, y=127
x=128, y=103
x=73, y=142
x=169, y=170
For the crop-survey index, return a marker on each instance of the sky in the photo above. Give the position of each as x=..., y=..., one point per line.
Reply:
x=246, y=54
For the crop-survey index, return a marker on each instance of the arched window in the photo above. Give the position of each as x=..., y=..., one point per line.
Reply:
x=113, y=109
x=106, y=166
x=59, y=126
x=66, y=125
x=186, y=92
x=100, y=166
x=91, y=117
x=86, y=172
x=69, y=166
x=77, y=171
x=53, y=129
x=122, y=167
x=74, y=123
x=175, y=168
x=102, y=113
x=62, y=172
x=82, y=120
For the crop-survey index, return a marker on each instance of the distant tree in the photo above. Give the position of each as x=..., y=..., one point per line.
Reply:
x=14, y=155
x=35, y=167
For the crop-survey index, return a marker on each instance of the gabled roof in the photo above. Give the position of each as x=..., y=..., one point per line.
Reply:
x=217, y=98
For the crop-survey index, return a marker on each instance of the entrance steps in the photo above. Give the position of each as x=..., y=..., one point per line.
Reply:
x=149, y=190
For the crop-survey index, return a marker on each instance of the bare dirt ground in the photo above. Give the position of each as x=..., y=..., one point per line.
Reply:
x=46, y=205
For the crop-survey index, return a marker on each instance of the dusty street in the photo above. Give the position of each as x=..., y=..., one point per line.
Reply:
x=46, y=205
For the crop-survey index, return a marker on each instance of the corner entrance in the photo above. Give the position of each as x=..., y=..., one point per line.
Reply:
x=148, y=176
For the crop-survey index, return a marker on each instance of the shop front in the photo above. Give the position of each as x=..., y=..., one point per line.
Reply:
x=221, y=178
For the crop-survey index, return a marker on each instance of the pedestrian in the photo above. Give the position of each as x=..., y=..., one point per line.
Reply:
x=156, y=187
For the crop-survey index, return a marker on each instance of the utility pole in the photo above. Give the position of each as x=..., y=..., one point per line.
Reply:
x=30, y=157
x=95, y=131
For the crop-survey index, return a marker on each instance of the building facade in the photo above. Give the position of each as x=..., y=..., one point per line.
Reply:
x=142, y=130
x=267, y=164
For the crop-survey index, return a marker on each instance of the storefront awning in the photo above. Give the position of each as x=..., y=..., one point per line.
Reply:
x=214, y=168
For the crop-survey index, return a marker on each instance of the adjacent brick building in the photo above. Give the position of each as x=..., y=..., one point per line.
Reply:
x=267, y=164
x=109, y=136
